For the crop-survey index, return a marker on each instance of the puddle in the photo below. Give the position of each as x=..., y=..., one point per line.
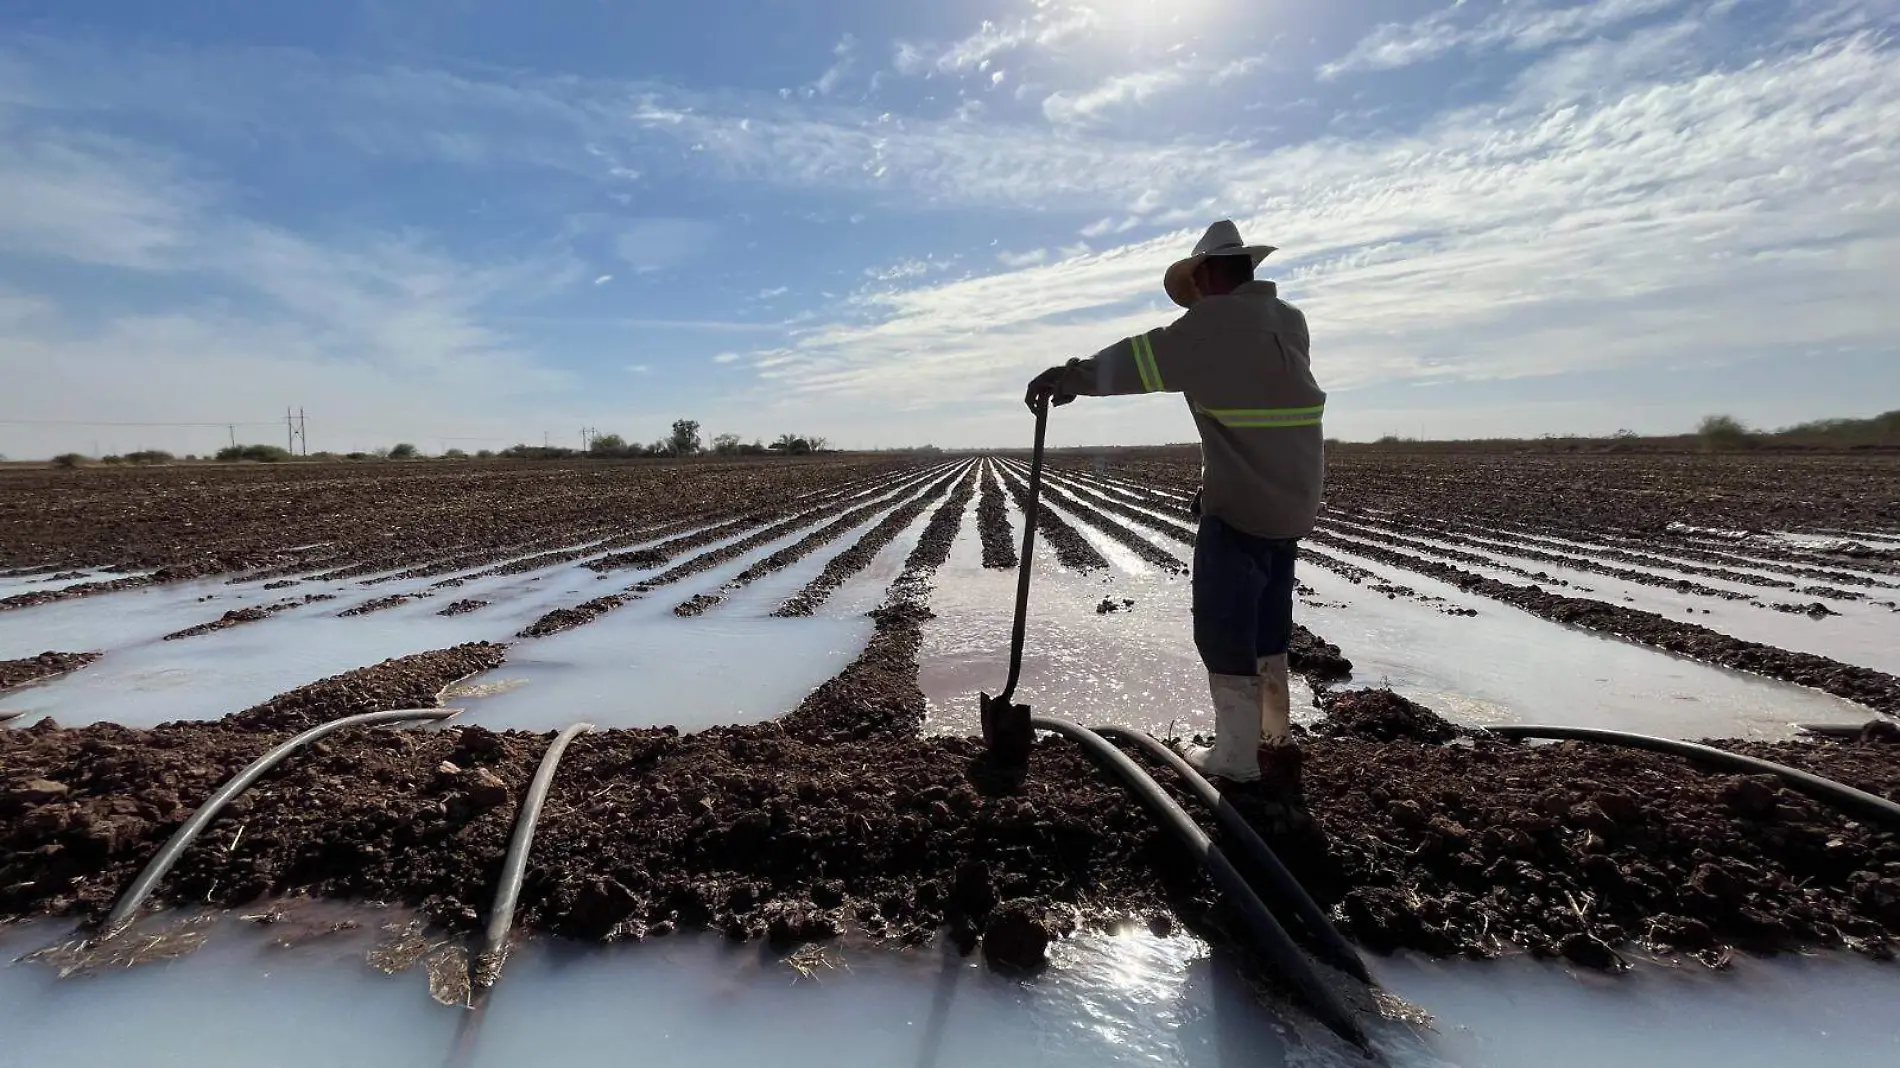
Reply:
x=642, y=666
x=1861, y=634
x=46, y=583
x=1105, y=999
x=1140, y=667
x=1507, y=665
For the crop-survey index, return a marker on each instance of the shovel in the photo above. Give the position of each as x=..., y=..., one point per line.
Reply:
x=1006, y=729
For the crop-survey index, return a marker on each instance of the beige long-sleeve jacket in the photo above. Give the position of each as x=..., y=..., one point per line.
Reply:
x=1241, y=361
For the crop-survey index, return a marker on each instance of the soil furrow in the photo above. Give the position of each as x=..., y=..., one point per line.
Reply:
x=1338, y=525
x=1502, y=542
x=714, y=558
x=859, y=555
x=17, y=673
x=1087, y=512
x=663, y=553
x=791, y=554
x=992, y=521
x=1875, y=689
x=240, y=616
x=1131, y=513
x=1072, y=550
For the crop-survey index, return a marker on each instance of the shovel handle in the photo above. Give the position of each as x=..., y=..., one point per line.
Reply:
x=1030, y=513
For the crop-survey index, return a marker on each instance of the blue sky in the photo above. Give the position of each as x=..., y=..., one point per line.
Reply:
x=464, y=223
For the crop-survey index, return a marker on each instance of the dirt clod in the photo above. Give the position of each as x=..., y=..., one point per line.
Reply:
x=1017, y=936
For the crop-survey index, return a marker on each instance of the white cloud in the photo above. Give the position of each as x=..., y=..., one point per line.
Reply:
x=1023, y=259
x=92, y=199
x=639, y=368
x=1521, y=26
x=603, y=279
x=727, y=357
x=1049, y=27
x=1121, y=91
x=1238, y=68
x=1105, y=226
x=1725, y=215
x=846, y=52
x=774, y=292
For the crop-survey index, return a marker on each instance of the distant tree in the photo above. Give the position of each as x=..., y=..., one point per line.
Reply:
x=262, y=454
x=149, y=456
x=402, y=450
x=454, y=454
x=112, y=458
x=485, y=454
x=791, y=445
x=685, y=438
x=1723, y=433
x=726, y=444
x=754, y=448
x=607, y=445
x=817, y=443
x=662, y=447
x=361, y=456
x=70, y=460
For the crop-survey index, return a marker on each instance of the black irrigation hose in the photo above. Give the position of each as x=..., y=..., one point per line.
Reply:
x=158, y=866
x=1272, y=941
x=1281, y=887
x=1858, y=803
x=486, y=967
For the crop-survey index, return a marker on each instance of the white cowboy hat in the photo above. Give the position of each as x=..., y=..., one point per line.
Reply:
x=1221, y=239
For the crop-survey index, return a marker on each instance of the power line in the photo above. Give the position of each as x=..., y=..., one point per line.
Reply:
x=104, y=422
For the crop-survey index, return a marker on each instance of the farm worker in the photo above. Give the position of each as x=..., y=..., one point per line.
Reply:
x=1239, y=356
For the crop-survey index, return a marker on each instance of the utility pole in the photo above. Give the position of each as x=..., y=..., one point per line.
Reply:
x=233, y=431
x=303, y=430
x=290, y=433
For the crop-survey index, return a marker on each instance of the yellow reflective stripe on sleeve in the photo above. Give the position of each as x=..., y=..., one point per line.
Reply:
x=1258, y=418
x=1145, y=363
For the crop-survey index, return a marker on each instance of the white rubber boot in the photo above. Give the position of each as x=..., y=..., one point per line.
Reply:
x=1276, y=701
x=1279, y=760
x=1234, y=755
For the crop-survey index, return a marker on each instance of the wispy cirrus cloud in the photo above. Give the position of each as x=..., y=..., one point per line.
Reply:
x=1727, y=214
x=1049, y=26
x=1477, y=26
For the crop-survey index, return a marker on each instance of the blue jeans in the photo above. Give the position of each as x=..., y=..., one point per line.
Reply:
x=1243, y=597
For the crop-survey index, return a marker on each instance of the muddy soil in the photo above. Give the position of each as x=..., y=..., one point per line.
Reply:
x=272, y=521
x=842, y=813
x=1875, y=689
x=992, y=523
x=1870, y=762
x=1072, y=550
x=1590, y=853
x=1382, y=716
x=1465, y=534
x=401, y=682
x=17, y=673
x=238, y=617
x=858, y=556
x=1387, y=533
x=462, y=607
x=899, y=517
x=561, y=619
x=1088, y=512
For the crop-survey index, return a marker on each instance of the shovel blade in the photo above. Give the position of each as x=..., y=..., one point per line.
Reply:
x=1006, y=731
